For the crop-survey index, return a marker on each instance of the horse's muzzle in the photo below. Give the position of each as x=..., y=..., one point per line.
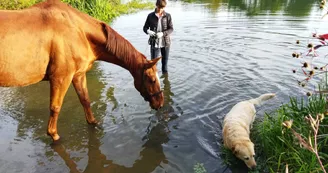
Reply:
x=156, y=100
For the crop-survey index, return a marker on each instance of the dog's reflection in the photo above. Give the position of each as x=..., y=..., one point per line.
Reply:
x=151, y=156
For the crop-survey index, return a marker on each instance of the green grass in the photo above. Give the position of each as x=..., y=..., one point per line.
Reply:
x=105, y=10
x=17, y=4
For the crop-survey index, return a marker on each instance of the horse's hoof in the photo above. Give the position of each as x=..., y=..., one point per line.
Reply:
x=93, y=122
x=55, y=137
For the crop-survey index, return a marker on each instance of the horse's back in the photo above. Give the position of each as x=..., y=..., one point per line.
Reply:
x=26, y=41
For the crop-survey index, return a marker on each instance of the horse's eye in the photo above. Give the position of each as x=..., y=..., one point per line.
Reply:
x=246, y=158
x=153, y=80
x=254, y=155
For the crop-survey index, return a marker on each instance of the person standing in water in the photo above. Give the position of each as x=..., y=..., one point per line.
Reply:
x=159, y=26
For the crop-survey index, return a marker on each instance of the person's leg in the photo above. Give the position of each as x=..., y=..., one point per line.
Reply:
x=154, y=52
x=165, y=57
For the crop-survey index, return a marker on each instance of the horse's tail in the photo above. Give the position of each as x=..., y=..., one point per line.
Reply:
x=264, y=97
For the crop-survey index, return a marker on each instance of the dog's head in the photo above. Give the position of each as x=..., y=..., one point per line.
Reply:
x=245, y=151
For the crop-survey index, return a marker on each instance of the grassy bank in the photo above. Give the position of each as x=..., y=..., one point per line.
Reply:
x=105, y=10
x=278, y=146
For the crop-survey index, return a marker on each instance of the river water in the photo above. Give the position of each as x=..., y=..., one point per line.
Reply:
x=222, y=52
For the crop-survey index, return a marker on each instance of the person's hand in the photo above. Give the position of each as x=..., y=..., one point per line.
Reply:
x=151, y=33
x=159, y=34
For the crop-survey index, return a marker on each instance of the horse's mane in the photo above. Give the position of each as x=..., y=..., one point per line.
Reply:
x=120, y=47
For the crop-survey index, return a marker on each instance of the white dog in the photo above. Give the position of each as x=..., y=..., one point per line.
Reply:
x=236, y=129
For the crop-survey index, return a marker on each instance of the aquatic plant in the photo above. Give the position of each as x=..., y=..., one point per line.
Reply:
x=199, y=168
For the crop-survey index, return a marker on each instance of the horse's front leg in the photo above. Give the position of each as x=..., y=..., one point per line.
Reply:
x=80, y=85
x=58, y=89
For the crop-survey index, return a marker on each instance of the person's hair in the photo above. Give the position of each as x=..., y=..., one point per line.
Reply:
x=161, y=3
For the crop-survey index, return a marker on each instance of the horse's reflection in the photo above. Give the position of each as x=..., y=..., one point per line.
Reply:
x=168, y=112
x=151, y=155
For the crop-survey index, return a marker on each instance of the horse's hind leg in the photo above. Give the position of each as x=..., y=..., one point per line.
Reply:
x=80, y=85
x=58, y=89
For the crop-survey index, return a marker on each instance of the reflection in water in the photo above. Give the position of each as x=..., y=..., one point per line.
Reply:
x=150, y=157
x=167, y=112
x=258, y=7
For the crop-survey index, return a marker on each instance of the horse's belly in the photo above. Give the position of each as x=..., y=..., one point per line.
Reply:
x=16, y=79
x=19, y=71
x=22, y=63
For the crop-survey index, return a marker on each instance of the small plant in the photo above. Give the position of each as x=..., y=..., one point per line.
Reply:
x=199, y=168
x=307, y=143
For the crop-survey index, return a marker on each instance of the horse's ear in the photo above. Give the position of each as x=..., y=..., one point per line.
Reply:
x=151, y=63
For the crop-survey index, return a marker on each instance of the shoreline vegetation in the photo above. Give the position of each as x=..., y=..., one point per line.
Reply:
x=104, y=10
x=295, y=137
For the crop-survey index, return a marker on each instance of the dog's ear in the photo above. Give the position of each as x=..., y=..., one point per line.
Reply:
x=235, y=149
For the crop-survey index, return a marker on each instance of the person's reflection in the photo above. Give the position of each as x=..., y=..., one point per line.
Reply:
x=167, y=90
x=169, y=110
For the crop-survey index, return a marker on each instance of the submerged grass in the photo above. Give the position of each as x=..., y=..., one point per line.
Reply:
x=105, y=10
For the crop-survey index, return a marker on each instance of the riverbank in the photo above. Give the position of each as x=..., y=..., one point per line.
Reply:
x=105, y=10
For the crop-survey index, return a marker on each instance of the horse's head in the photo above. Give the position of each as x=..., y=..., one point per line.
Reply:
x=144, y=72
x=148, y=84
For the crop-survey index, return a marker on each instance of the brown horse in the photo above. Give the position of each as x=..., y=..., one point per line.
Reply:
x=55, y=42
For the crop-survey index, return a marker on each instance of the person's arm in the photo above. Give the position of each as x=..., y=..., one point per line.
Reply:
x=146, y=26
x=169, y=26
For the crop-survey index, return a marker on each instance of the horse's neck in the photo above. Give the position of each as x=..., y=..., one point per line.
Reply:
x=117, y=50
x=107, y=44
x=131, y=64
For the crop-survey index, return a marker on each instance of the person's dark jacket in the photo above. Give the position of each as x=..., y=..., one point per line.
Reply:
x=167, y=26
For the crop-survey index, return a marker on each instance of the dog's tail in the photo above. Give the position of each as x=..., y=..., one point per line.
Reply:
x=264, y=97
